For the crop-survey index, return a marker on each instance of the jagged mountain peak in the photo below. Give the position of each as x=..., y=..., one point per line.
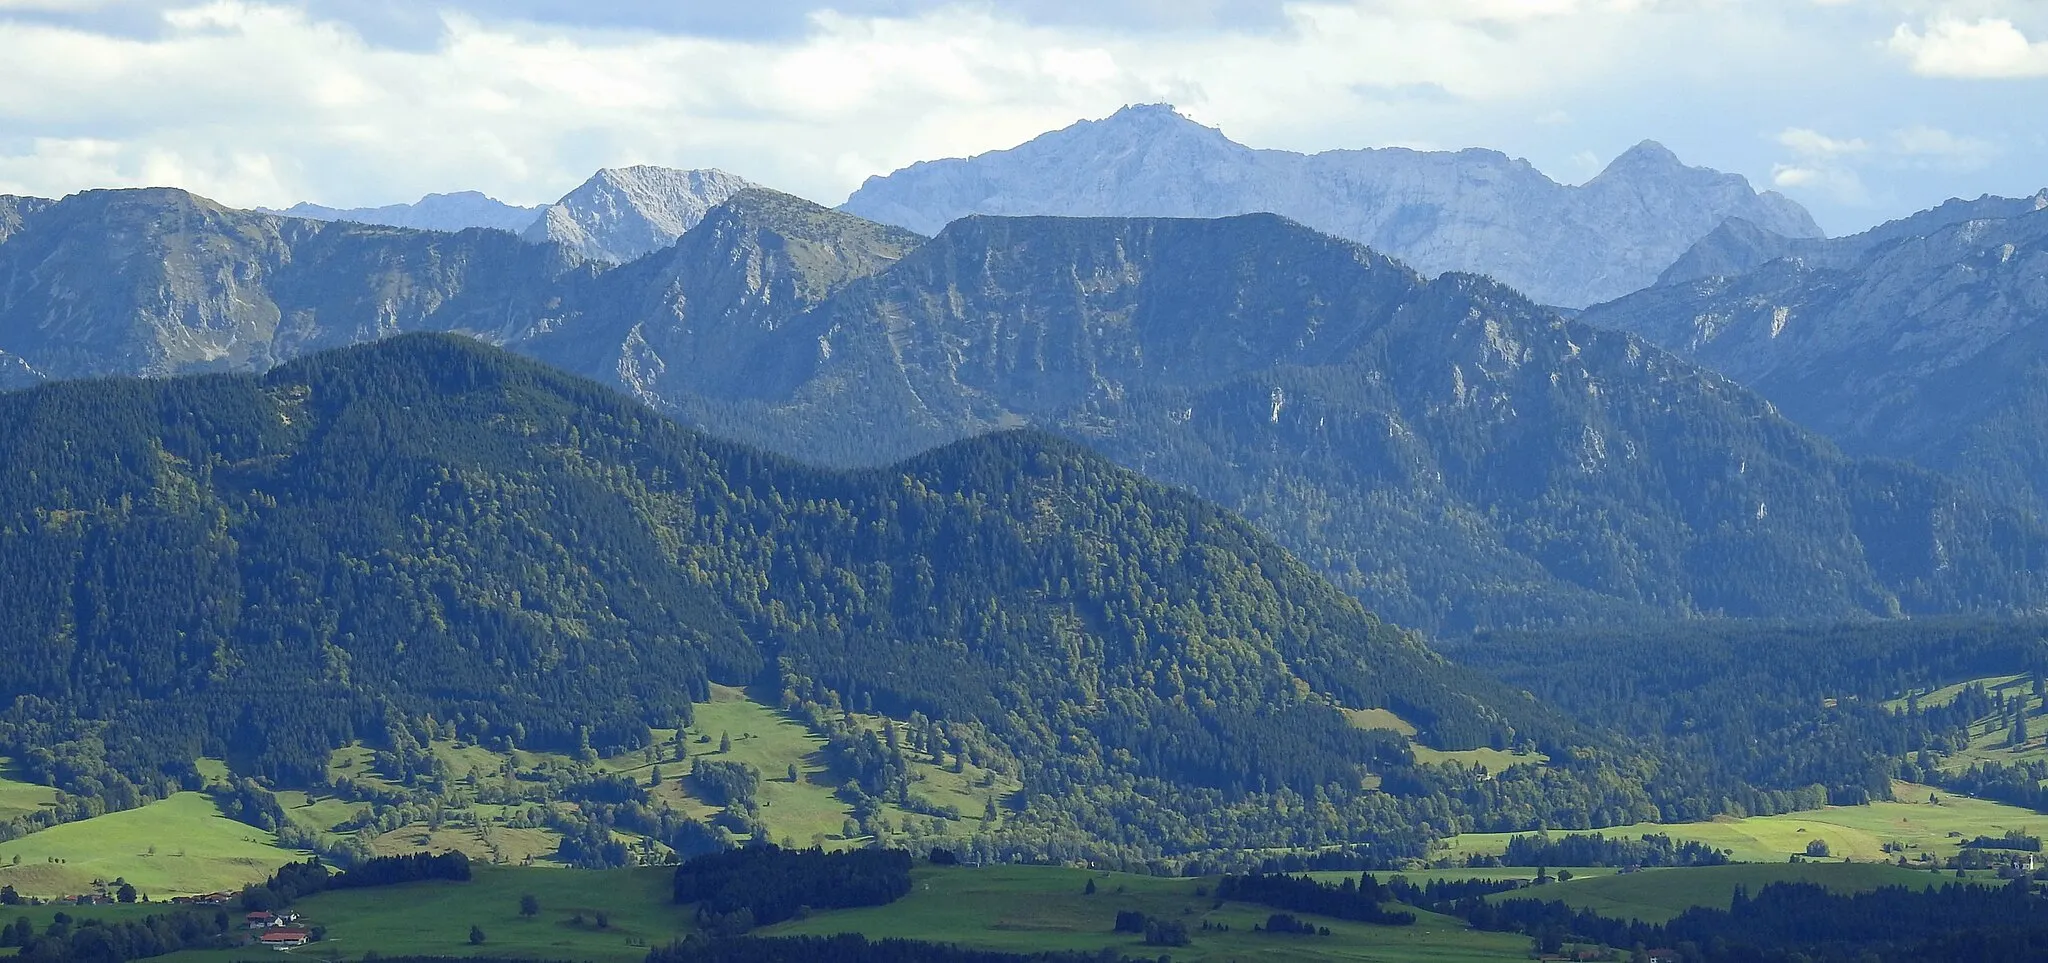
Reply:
x=623, y=213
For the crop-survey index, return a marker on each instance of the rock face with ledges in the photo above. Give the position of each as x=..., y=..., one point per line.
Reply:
x=624, y=213
x=159, y=282
x=1924, y=339
x=1473, y=211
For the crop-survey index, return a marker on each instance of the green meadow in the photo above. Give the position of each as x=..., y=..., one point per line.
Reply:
x=1924, y=821
x=1009, y=907
x=1657, y=895
x=172, y=847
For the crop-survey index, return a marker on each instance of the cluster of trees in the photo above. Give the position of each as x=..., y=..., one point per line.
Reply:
x=735, y=785
x=1760, y=717
x=1786, y=922
x=1358, y=899
x=739, y=889
x=1598, y=849
x=1291, y=925
x=295, y=881
x=1156, y=931
x=115, y=941
x=2015, y=840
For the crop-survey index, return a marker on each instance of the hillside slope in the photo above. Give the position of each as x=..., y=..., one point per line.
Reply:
x=427, y=528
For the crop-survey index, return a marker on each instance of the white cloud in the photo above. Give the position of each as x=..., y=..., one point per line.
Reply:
x=270, y=102
x=266, y=103
x=1942, y=147
x=1982, y=49
x=1812, y=143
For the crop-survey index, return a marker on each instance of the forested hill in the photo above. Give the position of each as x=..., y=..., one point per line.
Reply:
x=268, y=567
x=1447, y=451
x=1444, y=450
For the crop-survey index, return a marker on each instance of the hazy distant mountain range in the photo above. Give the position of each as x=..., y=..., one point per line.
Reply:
x=1925, y=338
x=1444, y=449
x=435, y=212
x=616, y=216
x=1474, y=211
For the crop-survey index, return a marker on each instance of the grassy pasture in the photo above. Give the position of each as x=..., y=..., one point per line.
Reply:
x=196, y=850
x=1012, y=907
x=433, y=919
x=19, y=798
x=1851, y=832
x=1657, y=895
x=1043, y=908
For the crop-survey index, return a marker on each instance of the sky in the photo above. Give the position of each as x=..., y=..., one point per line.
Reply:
x=1862, y=110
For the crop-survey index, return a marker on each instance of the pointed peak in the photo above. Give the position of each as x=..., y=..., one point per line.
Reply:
x=1649, y=153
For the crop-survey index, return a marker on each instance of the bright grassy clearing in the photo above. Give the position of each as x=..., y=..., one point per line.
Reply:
x=19, y=798
x=1655, y=896
x=1044, y=908
x=171, y=847
x=1852, y=832
x=1492, y=760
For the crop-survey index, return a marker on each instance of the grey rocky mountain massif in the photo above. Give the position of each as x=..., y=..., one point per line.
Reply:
x=622, y=214
x=1924, y=339
x=1443, y=449
x=435, y=212
x=160, y=282
x=616, y=216
x=1474, y=211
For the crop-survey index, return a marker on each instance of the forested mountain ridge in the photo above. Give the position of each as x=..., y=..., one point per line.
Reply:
x=1925, y=339
x=1476, y=211
x=267, y=568
x=1449, y=452
x=1444, y=450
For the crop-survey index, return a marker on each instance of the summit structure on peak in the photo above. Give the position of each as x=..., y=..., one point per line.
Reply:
x=1472, y=211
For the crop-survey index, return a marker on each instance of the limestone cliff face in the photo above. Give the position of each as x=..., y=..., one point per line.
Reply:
x=1472, y=211
x=621, y=214
x=162, y=282
x=1924, y=339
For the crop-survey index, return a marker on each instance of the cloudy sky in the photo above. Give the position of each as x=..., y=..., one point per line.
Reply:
x=1861, y=109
